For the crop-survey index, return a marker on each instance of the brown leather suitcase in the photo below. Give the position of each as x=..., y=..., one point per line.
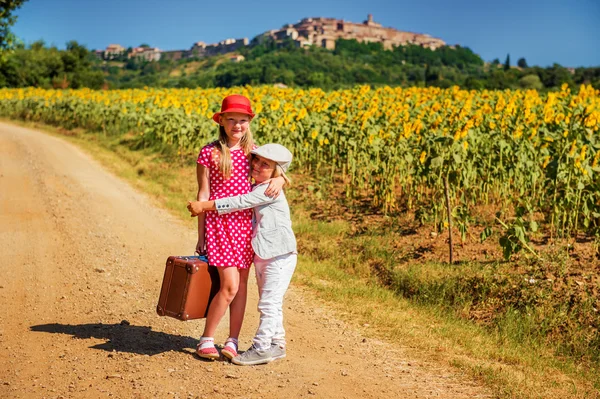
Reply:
x=188, y=287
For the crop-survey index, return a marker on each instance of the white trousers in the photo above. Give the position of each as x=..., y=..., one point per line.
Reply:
x=273, y=278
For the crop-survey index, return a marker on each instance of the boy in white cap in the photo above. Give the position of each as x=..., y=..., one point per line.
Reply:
x=274, y=246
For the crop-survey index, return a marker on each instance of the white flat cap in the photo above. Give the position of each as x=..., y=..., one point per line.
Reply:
x=275, y=152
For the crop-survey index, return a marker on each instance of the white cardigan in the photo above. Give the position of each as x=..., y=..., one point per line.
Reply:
x=272, y=233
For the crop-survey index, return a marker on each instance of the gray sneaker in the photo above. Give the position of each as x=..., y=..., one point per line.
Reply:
x=253, y=356
x=277, y=352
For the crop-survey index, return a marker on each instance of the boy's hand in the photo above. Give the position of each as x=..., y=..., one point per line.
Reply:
x=274, y=187
x=195, y=208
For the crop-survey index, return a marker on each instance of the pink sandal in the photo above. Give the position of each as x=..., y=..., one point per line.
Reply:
x=209, y=352
x=230, y=351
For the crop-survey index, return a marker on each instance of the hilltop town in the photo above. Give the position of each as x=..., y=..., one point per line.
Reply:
x=322, y=32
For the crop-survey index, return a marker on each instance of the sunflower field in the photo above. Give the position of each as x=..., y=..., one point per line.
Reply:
x=535, y=156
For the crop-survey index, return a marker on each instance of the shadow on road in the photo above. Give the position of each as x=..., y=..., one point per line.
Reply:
x=123, y=337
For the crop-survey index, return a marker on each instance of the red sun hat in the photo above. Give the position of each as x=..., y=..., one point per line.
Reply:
x=234, y=103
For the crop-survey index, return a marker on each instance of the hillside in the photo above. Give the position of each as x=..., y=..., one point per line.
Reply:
x=350, y=63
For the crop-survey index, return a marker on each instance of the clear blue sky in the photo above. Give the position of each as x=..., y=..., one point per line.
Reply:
x=543, y=31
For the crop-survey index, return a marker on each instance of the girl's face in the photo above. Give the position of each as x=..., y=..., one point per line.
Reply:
x=236, y=125
x=261, y=168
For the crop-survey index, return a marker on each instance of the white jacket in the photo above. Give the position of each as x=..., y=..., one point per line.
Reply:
x=272, y=233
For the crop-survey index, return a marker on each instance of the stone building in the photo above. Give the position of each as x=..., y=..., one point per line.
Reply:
x=112, y=51
x=145, y=53
x=201, y=49
x=237, y=58
x=319, y=31
x=324, y=32
x=174, y=55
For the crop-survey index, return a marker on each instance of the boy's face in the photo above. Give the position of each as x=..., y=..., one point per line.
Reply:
x=261, y=168
x=235, y=124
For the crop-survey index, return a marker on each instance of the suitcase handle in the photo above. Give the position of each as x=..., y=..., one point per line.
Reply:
x=194, y=269
x=203, y=258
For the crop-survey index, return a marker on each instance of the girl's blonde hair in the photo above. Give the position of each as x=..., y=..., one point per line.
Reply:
x=279, y=172
x=246, y=143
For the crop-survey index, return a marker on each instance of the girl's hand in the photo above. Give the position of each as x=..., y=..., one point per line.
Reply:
x=200, y=250
x=275, y=186
x=195, y=208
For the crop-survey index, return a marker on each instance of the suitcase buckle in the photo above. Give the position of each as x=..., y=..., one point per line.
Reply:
x=192, y=268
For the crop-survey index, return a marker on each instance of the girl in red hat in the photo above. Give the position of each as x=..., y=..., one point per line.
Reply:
x=223, y=171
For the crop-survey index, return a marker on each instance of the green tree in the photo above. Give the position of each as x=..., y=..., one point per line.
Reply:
x=555, y=76
x=473, y=84
x=531, y=82
x=498, y=80
x=522, y=63
x=432, y=76
x=7, y=19
x=587, y=76
x=507, y=62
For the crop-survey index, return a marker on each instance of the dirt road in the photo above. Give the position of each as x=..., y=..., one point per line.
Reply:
x=82, y=262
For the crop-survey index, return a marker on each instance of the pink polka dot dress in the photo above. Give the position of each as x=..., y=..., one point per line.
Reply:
x=228, y=237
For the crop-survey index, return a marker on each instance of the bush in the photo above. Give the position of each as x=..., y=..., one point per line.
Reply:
x=531, y=82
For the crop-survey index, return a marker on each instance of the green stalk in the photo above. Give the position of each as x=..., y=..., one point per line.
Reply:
x=447, y=192
x=524, y=243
